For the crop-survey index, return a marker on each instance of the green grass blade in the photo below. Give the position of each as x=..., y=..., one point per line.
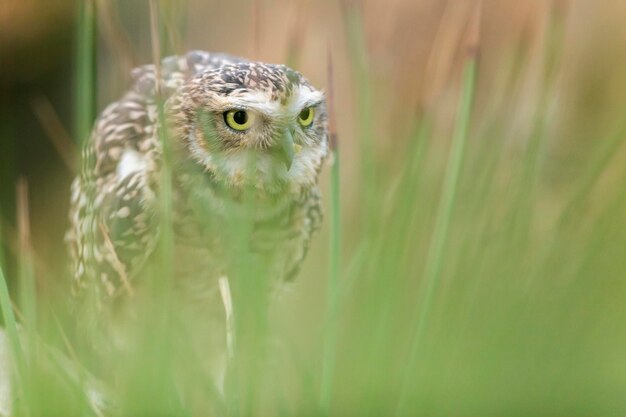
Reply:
x=333, y=290
x=85, y=79
x=436, y=251
x=10, y=324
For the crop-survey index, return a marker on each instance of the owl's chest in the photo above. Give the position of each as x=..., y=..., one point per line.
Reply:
x=215, y=239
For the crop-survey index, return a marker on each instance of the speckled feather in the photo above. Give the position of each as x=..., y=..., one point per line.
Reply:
x=114, y=216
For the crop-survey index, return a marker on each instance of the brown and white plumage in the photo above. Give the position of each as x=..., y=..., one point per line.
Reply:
x=264, y=176
x=115, y=216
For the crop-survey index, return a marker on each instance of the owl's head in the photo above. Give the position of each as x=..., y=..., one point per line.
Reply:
x=254, y=124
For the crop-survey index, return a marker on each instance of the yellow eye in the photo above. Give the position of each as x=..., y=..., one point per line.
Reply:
x=306, y=116
x=238, y=119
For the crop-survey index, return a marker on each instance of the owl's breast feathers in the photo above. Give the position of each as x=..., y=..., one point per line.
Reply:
x=114, y=206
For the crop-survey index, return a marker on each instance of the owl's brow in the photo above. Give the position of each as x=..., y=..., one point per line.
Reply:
x=312, y=102
x=307, y=98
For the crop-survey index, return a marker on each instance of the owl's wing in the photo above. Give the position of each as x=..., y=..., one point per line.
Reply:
x=312, y=222
x=114, y=224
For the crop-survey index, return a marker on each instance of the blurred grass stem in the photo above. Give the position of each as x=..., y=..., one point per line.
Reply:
x=333, y=290
x=86, y=57
x=437, y=248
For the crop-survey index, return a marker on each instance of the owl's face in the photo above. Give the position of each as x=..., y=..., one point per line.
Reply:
x=255, y=124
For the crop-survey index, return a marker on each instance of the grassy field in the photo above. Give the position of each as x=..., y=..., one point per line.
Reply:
x=472, y=257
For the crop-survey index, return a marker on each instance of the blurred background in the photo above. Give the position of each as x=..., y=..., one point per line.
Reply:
x=412, y=54
x=499, y=345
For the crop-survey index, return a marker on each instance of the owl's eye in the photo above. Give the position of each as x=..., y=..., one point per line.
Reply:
x=238, y=119
x=305, y=118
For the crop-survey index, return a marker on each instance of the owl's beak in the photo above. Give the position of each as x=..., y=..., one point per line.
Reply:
x=285, y=148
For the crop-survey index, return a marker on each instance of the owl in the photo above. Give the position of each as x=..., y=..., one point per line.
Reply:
x=243, y=143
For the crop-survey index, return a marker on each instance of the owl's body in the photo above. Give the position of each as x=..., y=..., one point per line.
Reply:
x=246, y=143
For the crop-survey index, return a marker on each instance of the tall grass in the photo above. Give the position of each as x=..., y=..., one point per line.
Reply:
x=463, y=283
x=86, y=65
x=440, y=238
x=334, y=271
